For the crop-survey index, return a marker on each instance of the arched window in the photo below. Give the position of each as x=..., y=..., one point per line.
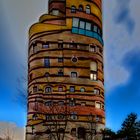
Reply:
x=34, y=117
x=73, y=9
x=82, y=89
x=88, y=9
x=48, y=89
x=80, y=7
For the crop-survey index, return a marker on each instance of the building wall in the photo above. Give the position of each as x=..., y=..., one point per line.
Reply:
x=58, y=46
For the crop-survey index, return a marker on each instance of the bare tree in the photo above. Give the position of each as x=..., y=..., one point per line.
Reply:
x=57, y=113
x=8, y=132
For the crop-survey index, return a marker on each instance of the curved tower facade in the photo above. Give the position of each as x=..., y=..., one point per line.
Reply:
x=65, y=72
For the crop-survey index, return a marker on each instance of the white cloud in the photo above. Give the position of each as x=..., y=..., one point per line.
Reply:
x=118, y=42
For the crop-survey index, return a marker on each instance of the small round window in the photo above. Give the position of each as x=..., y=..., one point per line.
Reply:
x=47, y=74
x=74, y=59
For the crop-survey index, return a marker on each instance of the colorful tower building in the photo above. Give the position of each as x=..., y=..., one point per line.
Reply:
x=65, y=70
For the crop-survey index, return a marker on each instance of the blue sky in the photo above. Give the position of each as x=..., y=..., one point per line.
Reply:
x=122, y=62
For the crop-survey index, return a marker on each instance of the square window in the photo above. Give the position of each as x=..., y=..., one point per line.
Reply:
x=35, y=49
x=82, y=24
x=55, y=12
x=83, y=103
x=60, y=59
x=98, y=105
x=61, y=103
x=60, y=89
x=73, y=74
x=47, y=62
x=35, y=89
x=60, y=73
x=72, y=102
x=46, y=45
x=95, y=28
x=75, y=22
x=96, y=91
x=92, y=48
x=72, y=88
x=93, y=76
x=60, y=45
x=88, y=26
x=49, y=103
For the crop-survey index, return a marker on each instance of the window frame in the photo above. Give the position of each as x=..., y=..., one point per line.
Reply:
x=72, y=89
x=49, y=89
x=47, y=62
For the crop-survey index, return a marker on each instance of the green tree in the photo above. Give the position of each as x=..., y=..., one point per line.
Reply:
x=108, y=134
x=130, y=128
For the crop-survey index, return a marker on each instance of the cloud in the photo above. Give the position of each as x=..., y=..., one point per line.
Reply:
x=11, y=130
x=124, y=98
x=123, y=15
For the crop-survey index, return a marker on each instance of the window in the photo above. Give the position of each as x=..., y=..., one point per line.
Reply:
x=72, y=45
x=34, y=117
x=46, y=45
x=72, y=88
x=95, y=28
x=93, y=76
x=60, y=73
x=100, y=50
x=73, y=74
x=60, y=45
x=60, y=59
x=73, y=132
x=35, y=49
x=98, y=105
x=48, y=89
x=60, y=116
x=47, y=74
x=88, y=26
x=61, y=130
x=48, y=117
x=82, y=25
x=61, y=103
x=93, y=66
x=99, y=31
x=73, y=9
x=72, y=102
x=55, y=12
x=88, y=9
x=74, y=116
x=97, y=118
x=92, y=48
x=49, y=103
x=35, y=89
x=74, y=59
x=47, y=62
x=80, y=7
x=75, y=22
x=81, y=133
x=60, y=89
x=82, y=89
x=83, y=103
x=96, y=91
